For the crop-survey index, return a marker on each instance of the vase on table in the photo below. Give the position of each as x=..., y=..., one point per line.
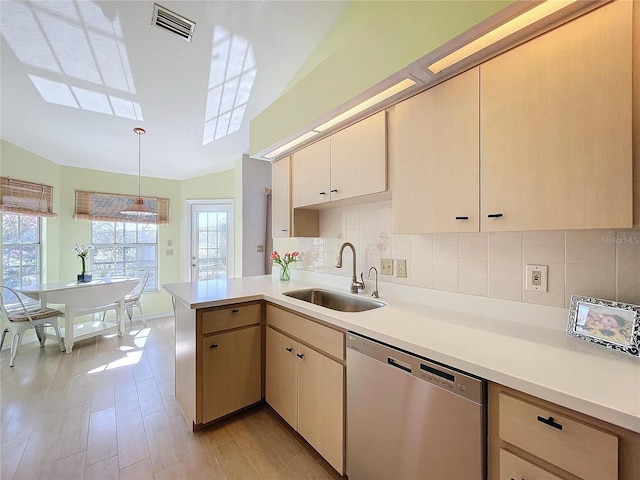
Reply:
x=84, y=277
x=285, y=273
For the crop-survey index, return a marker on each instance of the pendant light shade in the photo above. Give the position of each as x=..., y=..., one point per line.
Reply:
x=138, y=208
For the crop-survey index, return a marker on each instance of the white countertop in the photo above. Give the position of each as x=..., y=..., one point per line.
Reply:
x=519, y=345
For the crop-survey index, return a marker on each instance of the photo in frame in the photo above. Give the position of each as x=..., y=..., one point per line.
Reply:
x=615, y=325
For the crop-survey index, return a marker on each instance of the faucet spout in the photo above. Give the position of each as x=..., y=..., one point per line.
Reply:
x=355, y=284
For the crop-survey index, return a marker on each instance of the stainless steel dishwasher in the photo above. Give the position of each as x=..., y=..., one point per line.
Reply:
x=410, y=418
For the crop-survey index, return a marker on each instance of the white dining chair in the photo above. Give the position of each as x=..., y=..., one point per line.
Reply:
x=132, y=299
x=19, y=320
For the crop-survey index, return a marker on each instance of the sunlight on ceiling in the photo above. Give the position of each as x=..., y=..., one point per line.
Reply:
x=231, y=77
x=73, y=49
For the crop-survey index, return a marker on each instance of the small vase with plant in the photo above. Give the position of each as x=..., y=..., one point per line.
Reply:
x=83, y=251
x=285, y=270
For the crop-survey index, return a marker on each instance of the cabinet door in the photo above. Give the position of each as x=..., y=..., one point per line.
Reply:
x=513, y=467
x=281, y=376
x=321, y=404
x=359, y=158
x=311, y=167
x=231, y=372
x=555, y=127
x=281, y=198
x=436, y=169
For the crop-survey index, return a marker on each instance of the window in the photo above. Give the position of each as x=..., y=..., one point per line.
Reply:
x=21, y=252
x=121, y=248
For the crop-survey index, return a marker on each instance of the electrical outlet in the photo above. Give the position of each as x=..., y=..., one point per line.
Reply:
x=536, y=278
x=386, y=266
x=401, y=268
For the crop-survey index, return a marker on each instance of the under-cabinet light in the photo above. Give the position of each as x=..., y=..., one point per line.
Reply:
x=527, y=18
x=361, y=107
x=291, y=144
x=380, y=97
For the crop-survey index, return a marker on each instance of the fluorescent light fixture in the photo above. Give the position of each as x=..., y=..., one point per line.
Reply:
x=530, y=16
x=388, y=93
x=291, y=144
x=370, y=102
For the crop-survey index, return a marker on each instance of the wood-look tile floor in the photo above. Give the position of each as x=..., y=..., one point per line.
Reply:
x=107, y=411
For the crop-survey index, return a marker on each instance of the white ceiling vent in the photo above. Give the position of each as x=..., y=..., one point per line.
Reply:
x=172, y=22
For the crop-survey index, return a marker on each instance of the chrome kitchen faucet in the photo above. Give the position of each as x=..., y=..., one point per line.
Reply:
x=355, y=284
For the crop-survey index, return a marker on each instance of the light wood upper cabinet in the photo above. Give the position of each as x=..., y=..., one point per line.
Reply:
x=287, y=222
x=359, y=158
x=348, y=164
x=311, y=174
x=555, y=123
x=437, y=159
x=281, y=198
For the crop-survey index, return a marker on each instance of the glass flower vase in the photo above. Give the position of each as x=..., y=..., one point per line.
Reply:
x=285, y=273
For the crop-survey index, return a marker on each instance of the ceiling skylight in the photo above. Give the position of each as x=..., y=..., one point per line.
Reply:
x=73, y=50
x=231, y=77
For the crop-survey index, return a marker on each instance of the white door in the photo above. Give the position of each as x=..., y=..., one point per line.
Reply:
x=211, y=231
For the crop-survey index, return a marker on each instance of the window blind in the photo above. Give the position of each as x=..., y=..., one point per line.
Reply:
x=18, y=196
x=106, y=207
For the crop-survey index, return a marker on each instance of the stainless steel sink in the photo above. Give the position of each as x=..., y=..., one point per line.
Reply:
x=335, y=300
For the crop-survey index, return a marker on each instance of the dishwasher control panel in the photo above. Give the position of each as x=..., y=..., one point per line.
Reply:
x=448, y=378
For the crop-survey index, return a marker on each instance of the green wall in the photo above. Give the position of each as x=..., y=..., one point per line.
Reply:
x=61, y=233
x=370, y=42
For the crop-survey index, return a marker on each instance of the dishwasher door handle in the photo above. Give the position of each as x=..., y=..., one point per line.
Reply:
x=398, y=364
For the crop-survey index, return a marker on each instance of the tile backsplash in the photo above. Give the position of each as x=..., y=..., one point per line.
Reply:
x=600, y=263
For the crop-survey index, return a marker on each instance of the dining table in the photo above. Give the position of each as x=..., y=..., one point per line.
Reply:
x=84, y=298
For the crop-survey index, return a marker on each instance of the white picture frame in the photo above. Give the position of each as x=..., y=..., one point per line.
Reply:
x=611, y=324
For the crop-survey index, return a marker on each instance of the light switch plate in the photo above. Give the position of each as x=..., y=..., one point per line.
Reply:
x=401, y=268
x=386, y=266
x=536, y=278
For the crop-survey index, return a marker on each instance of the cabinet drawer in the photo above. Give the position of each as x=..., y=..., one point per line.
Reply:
x=324, y=338
x=512, y=467
x=582, y=450
x=233, y=317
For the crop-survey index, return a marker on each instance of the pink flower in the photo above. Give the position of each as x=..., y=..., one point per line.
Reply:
x=286, y=260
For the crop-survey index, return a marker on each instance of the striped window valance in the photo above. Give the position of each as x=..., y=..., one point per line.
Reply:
x=17, y=196
x=106, y=207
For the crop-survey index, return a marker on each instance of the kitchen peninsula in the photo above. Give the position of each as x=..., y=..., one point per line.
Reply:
x=522, y=347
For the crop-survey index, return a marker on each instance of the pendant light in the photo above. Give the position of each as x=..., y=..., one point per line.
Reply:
x=138, y=208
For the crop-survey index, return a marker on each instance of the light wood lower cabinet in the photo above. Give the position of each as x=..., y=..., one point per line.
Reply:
x=513, y=467
x=218, y=360
x=532, y=439
x=231, y=371
x=305, y=383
